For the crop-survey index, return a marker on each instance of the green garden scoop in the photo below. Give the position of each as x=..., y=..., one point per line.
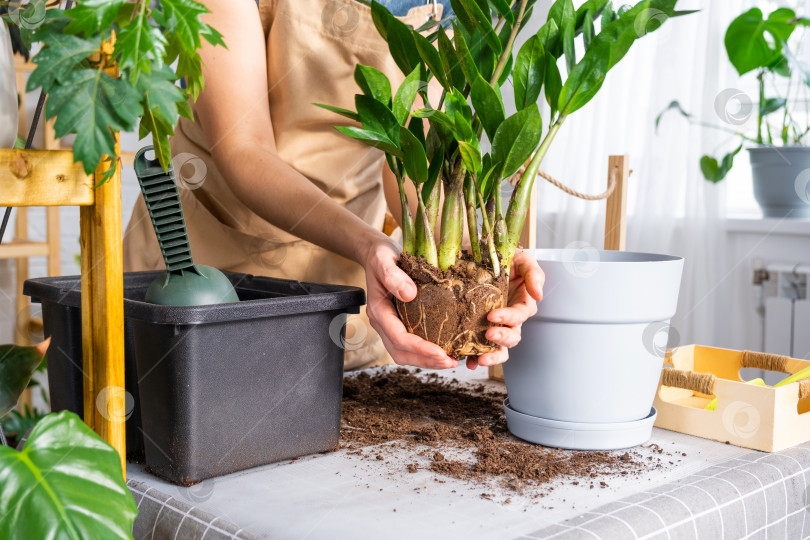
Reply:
x=185, y=283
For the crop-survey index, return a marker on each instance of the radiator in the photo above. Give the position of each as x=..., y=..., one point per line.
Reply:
x=786, y=309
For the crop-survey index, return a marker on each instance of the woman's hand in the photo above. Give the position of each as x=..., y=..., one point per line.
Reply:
x=384, y=278
x=526, y=281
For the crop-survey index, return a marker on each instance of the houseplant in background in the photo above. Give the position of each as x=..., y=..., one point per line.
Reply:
x=778, y=148
x=439, y=146
x=155, y=45
x=65, y=482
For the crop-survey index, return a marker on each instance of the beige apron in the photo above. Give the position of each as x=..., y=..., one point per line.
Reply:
x=312, y=49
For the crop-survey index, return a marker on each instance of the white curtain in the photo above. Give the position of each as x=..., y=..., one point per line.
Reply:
x=671, y=208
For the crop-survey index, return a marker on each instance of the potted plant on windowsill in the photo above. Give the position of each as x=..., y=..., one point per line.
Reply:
x=778, y=148
x=437, y=145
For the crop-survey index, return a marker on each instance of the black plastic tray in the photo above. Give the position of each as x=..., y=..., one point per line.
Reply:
x=218, y=388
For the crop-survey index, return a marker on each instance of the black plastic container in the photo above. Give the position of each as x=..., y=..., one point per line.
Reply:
x=224, y=387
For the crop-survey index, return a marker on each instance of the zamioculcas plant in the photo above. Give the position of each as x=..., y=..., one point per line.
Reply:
x=437, y=145
x=150, y=44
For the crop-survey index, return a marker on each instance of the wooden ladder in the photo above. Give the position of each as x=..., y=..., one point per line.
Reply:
x=615, y=221
x=50, y=178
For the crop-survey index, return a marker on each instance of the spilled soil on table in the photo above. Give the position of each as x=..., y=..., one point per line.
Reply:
x=459, y=430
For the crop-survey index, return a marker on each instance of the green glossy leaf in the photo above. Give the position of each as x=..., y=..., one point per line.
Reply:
x=553, y=83
x=377, y=117
x=17, y=365
x=65, y=483
x=450, y=63
x=745, y=41
x=488, y=105
x=351, y=115
x=476, y=20
x=402, y=45
x=569, y=48
x=549, y=35
x=406, y=94
x=714, y=172
x=137, y=43
x=516, y=140
x=608, y=14
x=417, y=127
x=155, y=124
x=380, y=16
x=471, y=156
x=486, y=183
x=503, y=9
x=373, y=82
x=430, y=56
x=587, y=29
x=585, y=80
x=60, y=55
x=92, y=104
x=564, y=16
x=376, y=140
x=465, y=59
x=529, y=73
x=182, y=18
x=413, y=156
x=189, y=66
x=91, y=16
x=162, y=103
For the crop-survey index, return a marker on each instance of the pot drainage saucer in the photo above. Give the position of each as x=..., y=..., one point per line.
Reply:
x=578, y=435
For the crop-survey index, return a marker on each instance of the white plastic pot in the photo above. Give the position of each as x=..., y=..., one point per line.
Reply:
x=593, y=353
x=8, y=90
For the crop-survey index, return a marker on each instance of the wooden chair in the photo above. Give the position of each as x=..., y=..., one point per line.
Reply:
x=615, y=220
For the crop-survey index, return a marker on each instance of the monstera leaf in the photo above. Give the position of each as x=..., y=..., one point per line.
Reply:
x=65, y=483
x=17, y=364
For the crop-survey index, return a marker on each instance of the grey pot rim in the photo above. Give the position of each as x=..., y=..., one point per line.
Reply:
x=766, y=149
x=608, y=256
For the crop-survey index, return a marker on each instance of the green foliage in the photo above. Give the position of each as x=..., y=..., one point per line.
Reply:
x=755, y=43
x=17, y=365
x=470, y=70
x=65, y=483
x=91, y=102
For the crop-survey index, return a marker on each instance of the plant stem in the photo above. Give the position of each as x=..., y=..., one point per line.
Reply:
x=761, y=78
x=521, y=196
x=510, y=42
x=425, y=243
x=493, y=253
x=452, y=218
x=472, y=218
x=501, y=236
x=408, y=232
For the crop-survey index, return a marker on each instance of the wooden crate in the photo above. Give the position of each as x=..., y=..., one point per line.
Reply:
x=761, y=418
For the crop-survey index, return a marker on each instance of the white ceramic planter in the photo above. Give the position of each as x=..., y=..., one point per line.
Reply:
x=593, y=353
x=8, y=91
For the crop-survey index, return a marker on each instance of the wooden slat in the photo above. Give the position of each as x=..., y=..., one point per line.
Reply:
x=14, y=250
x=43, y=178
x=616, y=214
x=103, y=312
x=53, y=240
x=23, y=307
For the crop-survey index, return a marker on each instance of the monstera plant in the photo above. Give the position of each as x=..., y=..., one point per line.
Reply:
x=66, y=482
x=149, y=45
x=436, y=142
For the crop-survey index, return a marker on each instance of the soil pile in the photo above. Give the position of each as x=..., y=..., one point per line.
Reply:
x=451, y=305
x=438, y=418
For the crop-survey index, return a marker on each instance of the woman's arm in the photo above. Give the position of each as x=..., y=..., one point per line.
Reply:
x=235, y=115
